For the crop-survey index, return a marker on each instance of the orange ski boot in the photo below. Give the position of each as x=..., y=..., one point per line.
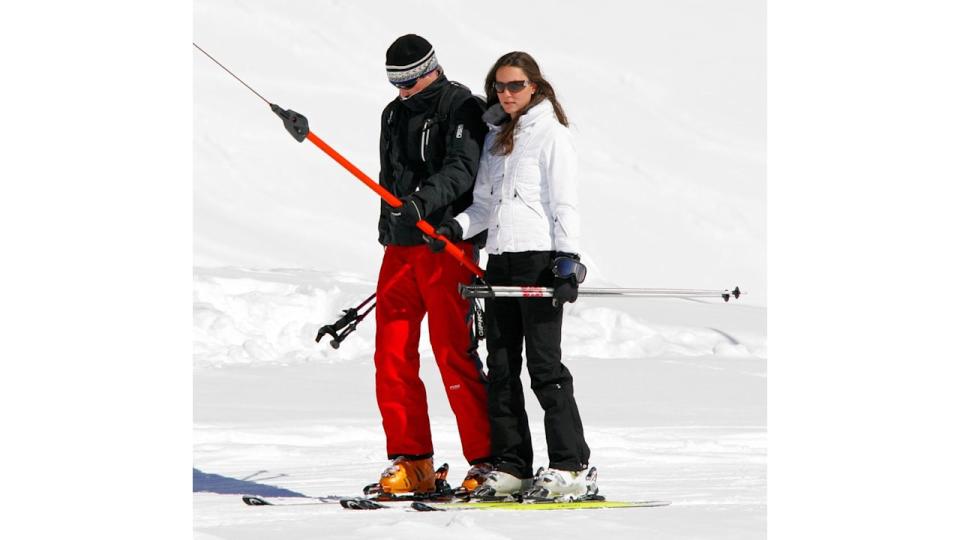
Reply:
x=475, y=478
x=409, y=476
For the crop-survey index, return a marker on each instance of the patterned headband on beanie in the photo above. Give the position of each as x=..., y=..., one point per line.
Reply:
x=409, y=58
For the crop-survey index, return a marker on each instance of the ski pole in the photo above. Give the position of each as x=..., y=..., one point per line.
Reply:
x=351, y=317
x=298, y=127
x=496, y=291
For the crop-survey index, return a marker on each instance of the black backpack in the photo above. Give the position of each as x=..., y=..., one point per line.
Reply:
x=434, y=129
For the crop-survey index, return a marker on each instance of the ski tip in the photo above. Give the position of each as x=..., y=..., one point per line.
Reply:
x=360, y=504
x=253, y=500
x=424, y=507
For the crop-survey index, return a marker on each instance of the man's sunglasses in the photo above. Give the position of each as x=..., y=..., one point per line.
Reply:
x=512, y=86
x=407, y=85
x=410, y=84
x=567, y=267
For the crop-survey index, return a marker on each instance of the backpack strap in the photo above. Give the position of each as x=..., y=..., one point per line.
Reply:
x=435, y=127
x=445, y=103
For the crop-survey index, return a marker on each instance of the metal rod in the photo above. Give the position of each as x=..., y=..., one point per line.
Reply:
x=231, y=73
x=496, y=291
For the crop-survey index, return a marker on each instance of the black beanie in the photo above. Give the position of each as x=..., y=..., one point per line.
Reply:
x=409, y=58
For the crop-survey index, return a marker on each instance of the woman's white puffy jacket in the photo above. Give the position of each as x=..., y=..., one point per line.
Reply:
x=527, y=200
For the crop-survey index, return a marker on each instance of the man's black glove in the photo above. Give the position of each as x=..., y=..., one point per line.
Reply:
x=409, y=213
x=450, y=229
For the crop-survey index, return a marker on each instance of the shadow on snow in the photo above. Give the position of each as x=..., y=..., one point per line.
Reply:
x=214, y=483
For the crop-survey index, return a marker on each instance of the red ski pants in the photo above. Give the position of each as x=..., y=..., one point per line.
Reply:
x=415, y=282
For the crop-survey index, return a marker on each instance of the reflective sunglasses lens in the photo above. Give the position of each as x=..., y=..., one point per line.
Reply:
x=516, y=86
x=565, y=267
x=406, y=85
x=513, y=86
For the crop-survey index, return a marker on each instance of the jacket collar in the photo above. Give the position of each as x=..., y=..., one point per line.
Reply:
x=540, y=111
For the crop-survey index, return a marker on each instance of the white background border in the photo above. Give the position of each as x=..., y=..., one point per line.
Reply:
x=96, y=311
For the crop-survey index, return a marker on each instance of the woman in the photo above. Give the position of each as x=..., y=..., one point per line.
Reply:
x=526, y=198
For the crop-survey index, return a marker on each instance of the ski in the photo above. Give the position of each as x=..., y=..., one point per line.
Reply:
x=350, y=503
x=545, y=505
x=255, y=500
x=359, y=503
x=378, y=503
x=374, y=498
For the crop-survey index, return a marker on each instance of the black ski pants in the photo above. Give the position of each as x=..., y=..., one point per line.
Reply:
x=532, y=322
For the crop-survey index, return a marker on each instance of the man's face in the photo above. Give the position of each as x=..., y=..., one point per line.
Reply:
x=422, y=82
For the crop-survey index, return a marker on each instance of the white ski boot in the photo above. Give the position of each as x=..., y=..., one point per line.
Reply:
x=563, y=486
x=502, y=485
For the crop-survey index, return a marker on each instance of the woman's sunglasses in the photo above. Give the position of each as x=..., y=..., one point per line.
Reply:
x=512, y=86
x=568, y=267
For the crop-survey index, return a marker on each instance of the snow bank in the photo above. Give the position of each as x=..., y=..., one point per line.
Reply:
x=244, y=316
x=603, y=332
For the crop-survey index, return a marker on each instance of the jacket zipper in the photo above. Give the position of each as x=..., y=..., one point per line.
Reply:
x=423, y=145
x=425, y=139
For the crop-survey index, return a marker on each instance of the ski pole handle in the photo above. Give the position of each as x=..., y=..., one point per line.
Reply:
x=393, y=201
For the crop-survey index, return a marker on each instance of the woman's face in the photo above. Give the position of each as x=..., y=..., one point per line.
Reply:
x=513, y=97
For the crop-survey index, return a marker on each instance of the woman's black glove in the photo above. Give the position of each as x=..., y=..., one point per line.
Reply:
x=564, y=290
x=450, y=229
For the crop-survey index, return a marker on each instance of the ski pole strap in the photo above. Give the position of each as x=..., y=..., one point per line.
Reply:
x=497, y=291
x=351, y=328
x=479, y=319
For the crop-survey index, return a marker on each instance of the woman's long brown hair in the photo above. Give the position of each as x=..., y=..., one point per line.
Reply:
x=503, y=144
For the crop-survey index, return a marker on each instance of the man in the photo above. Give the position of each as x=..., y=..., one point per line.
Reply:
x=431, y=137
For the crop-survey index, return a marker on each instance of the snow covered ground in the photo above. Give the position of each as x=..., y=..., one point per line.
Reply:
x=667, y=101
x=671, y=412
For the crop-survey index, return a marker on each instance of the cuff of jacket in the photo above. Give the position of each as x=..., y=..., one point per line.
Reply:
x=463, y=220
x=418, y=204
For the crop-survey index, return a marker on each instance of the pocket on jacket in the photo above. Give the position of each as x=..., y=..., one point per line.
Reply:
x=530, y=196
